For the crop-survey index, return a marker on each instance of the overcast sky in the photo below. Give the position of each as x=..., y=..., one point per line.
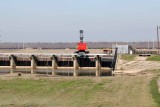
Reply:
x=61, y=20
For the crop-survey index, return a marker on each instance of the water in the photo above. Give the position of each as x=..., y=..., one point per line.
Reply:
x=4, y=71
x=58, y=72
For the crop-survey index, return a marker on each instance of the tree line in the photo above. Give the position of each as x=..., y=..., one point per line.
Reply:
x=72, y=45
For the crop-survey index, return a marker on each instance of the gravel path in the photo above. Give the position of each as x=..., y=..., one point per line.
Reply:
x=138, y=65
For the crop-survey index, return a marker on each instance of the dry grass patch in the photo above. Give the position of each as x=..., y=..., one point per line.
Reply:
x=128, y=57
x=77, y=92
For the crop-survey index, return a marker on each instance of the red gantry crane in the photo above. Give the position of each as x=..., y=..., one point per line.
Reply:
x=81, y=46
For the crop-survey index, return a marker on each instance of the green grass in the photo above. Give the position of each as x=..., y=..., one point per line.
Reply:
x=128, y=57
x=154, y=91
x=154, y=58
x=76, y=92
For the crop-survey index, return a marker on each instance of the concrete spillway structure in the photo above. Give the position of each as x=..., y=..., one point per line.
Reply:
x=34, y=62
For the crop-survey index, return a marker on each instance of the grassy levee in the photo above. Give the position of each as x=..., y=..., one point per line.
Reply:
x=154, y=91
x=77, y=92
x=154, y=58
x=128, y=57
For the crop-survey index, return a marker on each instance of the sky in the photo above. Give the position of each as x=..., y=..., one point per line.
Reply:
x=61, y=20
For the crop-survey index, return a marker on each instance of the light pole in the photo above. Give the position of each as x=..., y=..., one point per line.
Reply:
x=158, y=37
x=0, y=39
x=0, y=33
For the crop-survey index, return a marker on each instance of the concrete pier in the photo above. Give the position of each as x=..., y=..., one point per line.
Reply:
x=75, y=73
x=54, y=62
x=54, y=65
x=75, y=65
x=98, y=65
x=12, y=63
x=97, y=73
x=33, y=63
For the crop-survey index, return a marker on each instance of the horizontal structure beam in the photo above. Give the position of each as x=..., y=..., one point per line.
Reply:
x=48, y=54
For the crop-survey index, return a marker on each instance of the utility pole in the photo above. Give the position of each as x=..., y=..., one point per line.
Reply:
x=148, y=45
x=158, y=37
x=0, y=33
x=153, y=44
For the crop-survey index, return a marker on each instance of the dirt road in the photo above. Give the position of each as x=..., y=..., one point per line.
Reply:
x=137, y=65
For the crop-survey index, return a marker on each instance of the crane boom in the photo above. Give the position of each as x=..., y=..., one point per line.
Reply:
x=81, y=36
